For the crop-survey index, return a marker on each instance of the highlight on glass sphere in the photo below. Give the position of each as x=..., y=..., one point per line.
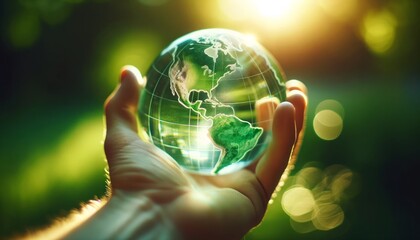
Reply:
x=200, y=102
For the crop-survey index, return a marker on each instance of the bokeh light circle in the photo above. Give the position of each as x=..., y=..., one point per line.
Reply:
x=328, y=120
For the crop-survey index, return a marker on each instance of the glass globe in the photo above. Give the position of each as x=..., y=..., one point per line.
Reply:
x=199, y=103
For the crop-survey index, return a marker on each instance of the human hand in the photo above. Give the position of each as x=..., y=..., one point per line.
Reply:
x=195, y=206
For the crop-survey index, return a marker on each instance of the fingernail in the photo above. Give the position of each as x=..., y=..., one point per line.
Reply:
x=124, y=74
x=129, y=69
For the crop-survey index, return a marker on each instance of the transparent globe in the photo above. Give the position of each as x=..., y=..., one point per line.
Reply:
x=199, y=103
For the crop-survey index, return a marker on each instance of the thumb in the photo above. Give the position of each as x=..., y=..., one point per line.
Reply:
x=121, y=110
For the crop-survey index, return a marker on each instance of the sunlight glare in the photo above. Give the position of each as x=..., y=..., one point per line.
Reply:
x=250, y=39
x=269, y=11
x=237, y=10
x=343, y=10
x=201, y=145
x=275, y=8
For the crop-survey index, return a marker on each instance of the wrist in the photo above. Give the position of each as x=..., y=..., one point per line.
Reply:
x=127, y=216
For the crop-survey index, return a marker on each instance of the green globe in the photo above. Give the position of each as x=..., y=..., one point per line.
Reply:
x=199, y=103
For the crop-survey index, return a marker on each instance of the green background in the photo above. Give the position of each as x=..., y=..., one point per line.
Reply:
x=60, y=59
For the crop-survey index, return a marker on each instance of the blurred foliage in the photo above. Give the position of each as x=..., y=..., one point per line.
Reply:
x=61, y=58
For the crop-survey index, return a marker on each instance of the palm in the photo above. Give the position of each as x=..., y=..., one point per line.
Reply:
x=213, y=206
x=189, y=198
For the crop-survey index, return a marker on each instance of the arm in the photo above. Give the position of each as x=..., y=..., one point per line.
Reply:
x=127, y=218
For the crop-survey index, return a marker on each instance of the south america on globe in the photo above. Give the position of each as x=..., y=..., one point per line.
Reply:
x=199, y=104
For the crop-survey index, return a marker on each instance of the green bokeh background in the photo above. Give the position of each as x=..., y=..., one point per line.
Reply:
x=60, y=59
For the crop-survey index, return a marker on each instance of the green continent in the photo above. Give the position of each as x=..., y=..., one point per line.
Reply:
x=234, y=136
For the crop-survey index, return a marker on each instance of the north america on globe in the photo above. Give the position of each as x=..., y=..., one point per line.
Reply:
x=234, y=136
x=199, y=103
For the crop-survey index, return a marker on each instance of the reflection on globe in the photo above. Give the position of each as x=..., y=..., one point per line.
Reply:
x=199, y=103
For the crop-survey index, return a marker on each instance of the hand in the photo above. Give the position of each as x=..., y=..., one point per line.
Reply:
x=197, y=207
